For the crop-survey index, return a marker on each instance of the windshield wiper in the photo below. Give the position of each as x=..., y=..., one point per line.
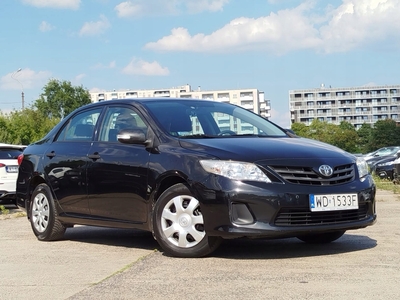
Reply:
x=197, y=136
x=251, y=134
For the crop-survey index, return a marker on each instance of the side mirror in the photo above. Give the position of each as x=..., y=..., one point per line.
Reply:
x=131, y=136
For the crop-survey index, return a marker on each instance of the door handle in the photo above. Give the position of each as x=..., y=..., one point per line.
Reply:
x=51, y=154
x=94, y=156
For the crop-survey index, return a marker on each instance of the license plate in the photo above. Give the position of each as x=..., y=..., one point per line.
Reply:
x=333, y=202
x=11, y=169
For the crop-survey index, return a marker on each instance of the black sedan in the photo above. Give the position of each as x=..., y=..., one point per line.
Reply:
x=192, y=172
x=384, y=168
x=382, y=153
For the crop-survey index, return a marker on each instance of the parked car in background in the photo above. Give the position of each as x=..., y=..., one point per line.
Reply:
x=396, y=171
x=386, y=152
x=192, y=172
x=8, y=172
x=380, y=152
x=384, y=168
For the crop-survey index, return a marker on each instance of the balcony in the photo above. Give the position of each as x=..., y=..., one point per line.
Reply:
x=161, y=94
x=247, y=106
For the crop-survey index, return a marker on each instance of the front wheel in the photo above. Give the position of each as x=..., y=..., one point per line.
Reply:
x=178, y=224
x=43, y=215
x=321, y=238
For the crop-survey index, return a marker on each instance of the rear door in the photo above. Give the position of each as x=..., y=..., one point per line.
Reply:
x=117, y=173
x=65, y=162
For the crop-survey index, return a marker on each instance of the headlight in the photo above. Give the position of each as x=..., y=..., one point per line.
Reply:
x=389, y=163
x=362, y=167
x=234, y=170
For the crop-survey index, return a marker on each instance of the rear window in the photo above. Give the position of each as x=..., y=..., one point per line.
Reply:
x=9, y=153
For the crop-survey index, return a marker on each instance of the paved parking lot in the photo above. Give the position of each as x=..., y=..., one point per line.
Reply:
x=99, y=263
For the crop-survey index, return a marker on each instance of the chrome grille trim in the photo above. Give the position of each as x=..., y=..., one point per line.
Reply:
x=307, y=176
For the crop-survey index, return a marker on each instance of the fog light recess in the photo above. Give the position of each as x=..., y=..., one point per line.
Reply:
x=241, y=215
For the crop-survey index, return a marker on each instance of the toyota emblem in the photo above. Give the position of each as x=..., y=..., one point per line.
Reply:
x=325, y=170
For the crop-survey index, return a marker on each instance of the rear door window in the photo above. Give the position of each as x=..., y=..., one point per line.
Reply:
x=9, y=153
x=80, y=127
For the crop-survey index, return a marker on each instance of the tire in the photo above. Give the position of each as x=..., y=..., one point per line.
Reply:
x=321, y=238
x=43, y=215
x=178, y=225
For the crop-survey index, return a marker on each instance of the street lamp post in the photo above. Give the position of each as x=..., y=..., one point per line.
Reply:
x=22, y=87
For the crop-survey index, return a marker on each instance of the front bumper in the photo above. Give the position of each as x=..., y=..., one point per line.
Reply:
x=237, y=209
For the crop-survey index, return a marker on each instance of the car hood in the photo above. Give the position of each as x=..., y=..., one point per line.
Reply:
x=252, y=149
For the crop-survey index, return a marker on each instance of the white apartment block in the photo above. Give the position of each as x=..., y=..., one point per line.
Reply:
x=251, y=99
x=356, y=105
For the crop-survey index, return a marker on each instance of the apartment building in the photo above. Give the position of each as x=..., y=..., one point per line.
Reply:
x=356, y=105
x=251, y=99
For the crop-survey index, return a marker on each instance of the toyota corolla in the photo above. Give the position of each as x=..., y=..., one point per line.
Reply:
x=192, y=172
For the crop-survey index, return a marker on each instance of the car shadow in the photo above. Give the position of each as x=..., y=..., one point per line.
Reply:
x=129, y=238
x=231, y=249
x=290, y=248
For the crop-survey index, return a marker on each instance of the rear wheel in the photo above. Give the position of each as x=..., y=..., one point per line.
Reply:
x=321, y=238
x=178, y=224
x=43, y=215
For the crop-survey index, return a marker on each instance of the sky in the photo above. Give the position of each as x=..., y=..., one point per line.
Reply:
x=272, y=45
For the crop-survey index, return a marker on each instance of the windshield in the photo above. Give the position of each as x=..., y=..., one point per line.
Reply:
x=194, y=119
x=386, y=151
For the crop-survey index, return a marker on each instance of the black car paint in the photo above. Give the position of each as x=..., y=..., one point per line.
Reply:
x=138, y=173
x=384, y=171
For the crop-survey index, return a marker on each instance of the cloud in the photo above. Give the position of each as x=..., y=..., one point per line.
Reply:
x=60, y=4
x=128, y=9
x=101, y=66
x=95, y=28
x=274, y=33
x=141, y=67
x=79, y=77
x=197, y=6
x=353, y=24
x=24, y=79
x=358, y=23
x=96, y=90
x=44, y=26
x=140, y=8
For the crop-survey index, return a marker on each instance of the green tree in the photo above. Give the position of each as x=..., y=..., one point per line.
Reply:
x=322, y=131
x=364, y=138
x=301, y=129
x=343, y=136
x=385, y=133
x=28, y=125
x=346, y=137
x=59, y=98
x=4, y=124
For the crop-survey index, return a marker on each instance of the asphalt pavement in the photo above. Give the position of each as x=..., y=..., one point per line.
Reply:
x=101, y=263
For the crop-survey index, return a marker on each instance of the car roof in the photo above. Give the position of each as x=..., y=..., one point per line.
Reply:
x=152, y=99
x=4, y=145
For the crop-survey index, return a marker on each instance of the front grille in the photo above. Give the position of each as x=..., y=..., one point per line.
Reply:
x=307, y=176
x=304, y=217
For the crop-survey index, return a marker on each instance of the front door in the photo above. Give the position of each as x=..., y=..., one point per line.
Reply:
x=117, y=173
